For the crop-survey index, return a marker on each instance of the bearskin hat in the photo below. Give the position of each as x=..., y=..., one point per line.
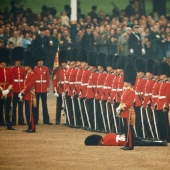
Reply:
x=140, y=65
x=92, y=140
x=18, y=54
x=163, y=68
x=130, y=74
x=29, y=59
x=91, y=58
x=4, y=55
x=40, y=54
x=149, y=66
x=114, y=61
x=155, y=69
x=72, y=54
x=83, y=54
x=63, y=56
x=101, y=60
x=108, y=60
x=120, y=64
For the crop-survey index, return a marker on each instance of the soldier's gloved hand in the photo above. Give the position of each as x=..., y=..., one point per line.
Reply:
x=131, y=51
x=63, y=94
x=4, y=95
x=56, y=94
x=143, y=51
x=20, y=96
x=6, y=91
x=157, y=36
x=118, y=112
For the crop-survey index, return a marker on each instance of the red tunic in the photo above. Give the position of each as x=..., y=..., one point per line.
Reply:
x=114, y=87
x=6, y=79
x=100, y=82
x=78, y=81
x=148, y=92
x=91, y=87
x=42, y=79
x=59, y=80
x=29, y=85
x=68, y=70
x=19, y=76
x=128, y=98
x=155, y=93
x=164, y=95
x=84, y=82
x=112, y=139
x=119, y=89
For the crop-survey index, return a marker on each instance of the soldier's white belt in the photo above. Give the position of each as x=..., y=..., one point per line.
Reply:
x=90, y=86
x=41, y=81
x=85, y=84
x=148, y=94
x=138, y=93
x=66, y=81
x=61, y=82
x=18, y=80
x=71, y=82
x=106, y=87
x=113, y=89
x=155, y=96
x=161, y=97
x=119, y=89
x=78, y=82
x=99, y=86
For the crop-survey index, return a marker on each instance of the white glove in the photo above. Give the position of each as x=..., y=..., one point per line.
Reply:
x=118, y=112
x=143, y=51
x=4, y=95
x=56, y=94
x=157, y=36
x=131, y=51
x=20, y=97
x=5, y=92
x=48, y=94
x=63, y=94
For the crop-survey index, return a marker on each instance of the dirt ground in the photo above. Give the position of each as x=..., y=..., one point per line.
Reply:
x=62, y=148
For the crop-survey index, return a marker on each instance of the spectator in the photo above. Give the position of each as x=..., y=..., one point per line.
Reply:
x=27, y=41
x=93, y=14
x=44, y=11
x=137, y=10
x=163, y=45
x=167, y=47
x=64, y=19
x=16, y=40
x=14, y=9
x=148, y=50
x=3, y=37
x=129, y=8
x=78, y=37
x=101, y=16
x=102, y=44
x=112, y=45
x=1, y=43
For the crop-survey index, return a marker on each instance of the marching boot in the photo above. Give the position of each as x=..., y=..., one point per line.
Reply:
x=127, y=148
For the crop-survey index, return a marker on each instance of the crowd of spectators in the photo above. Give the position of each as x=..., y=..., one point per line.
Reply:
x=109, y=33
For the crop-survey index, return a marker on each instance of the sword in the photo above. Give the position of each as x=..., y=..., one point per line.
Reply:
x=143, y=128
x=80, y=111
x=134, y=128
x=156, y=129
x=74, y=114
x=102, y=115
x=65, y=105
x=108, y=116
x=87, y=114
x=114, y=118
x=149, y=123
x=94, y=106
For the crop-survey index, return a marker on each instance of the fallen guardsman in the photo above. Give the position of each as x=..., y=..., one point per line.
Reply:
x=112, y=139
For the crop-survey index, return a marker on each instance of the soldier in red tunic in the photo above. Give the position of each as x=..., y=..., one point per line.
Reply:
x=125, y=108
x=28, y=92
x=19, y=76
x=58, y=83
x=6, y=85
x=42, y=85
x=163, y=102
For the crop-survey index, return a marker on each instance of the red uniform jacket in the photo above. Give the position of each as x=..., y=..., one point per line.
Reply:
x=91, y=87
x=119, y=89
x=114, y=87
x=155, y=93
x=19, y=76
x=139, y=91
x=72, y=81
x=6, y=79
x=112, y=139
x=78, y=81
x=42, y=79
x=100, y=83
x=148, y=92
x=128, y=98
x=164, y=94
x=68, y=70
x=107, y=86
x=59, y=80
x=29, y=85
x=84, y=82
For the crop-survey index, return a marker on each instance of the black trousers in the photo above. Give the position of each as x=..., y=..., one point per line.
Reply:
x=44, y=107
x=84, y=112
x=70, y=109
x=29, y=111
x=6, y=104
x=20, y=109
x=77, y=110
x=138, y=121
x=128, y=129
x=58, y=108
x=163, y=125
x=90, y=111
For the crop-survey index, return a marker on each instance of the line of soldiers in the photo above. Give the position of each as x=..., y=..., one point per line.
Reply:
x=91, y=87
x=28, y=83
